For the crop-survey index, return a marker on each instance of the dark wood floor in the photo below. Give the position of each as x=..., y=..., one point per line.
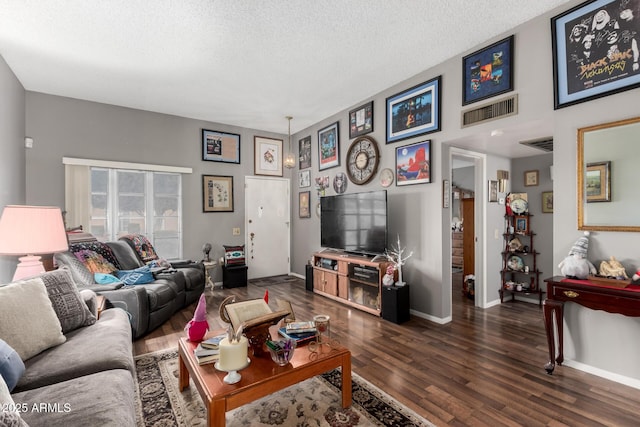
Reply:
x=485, y=368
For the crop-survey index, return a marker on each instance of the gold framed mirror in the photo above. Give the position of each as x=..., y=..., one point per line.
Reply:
x=608, y=156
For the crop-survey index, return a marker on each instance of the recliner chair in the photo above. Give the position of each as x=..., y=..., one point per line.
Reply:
x=193, y=272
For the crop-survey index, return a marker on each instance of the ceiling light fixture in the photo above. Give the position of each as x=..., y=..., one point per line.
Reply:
x=290, y=158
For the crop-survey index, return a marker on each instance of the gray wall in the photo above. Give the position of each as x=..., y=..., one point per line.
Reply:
x=12, y=157
x=65, y=127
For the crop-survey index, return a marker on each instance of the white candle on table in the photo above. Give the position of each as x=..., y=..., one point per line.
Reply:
x=233, y=355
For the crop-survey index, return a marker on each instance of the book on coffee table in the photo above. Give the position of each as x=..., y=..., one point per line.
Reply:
x=300, y=327
x=299, y=338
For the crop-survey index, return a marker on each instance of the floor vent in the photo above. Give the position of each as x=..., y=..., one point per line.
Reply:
x=496, y=110
x=544, y=144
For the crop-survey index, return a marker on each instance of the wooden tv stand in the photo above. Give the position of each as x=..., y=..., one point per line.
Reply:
x=353, y=280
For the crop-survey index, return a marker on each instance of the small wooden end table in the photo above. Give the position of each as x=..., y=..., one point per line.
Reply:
x=261, y=378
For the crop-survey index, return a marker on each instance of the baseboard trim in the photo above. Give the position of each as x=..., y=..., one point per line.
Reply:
x=631, y=382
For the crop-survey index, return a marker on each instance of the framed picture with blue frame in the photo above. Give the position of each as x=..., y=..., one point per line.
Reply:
x=415, y=111
x=596, y=50
x=488, y=72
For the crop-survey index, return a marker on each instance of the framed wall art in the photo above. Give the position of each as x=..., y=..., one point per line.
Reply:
x=304, y=179
x=267, y=156
x=304, y=150
x=220, y=146
x=522, y=224
x=415, y=111
x=488, y=72
x=598, y=182
x=595, y=51
x=217, y=193
x=329, y=146
x=493, y=191
x=361, y=120
x=547, y=202
x=304, y=204
x=531, y=178
x=413, y=163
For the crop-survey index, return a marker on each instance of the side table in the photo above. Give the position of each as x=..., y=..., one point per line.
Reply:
x=209, y=268
x=395, y=303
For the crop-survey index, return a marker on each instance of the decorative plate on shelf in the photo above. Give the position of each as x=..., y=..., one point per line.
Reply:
x=515, y=263
x=518, y=203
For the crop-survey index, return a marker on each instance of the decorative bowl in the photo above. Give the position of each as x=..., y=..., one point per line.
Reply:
x=283, y=354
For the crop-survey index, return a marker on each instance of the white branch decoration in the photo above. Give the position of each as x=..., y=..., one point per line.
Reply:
x=395, y=256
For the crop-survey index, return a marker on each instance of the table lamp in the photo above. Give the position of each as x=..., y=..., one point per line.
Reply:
x=31, y=231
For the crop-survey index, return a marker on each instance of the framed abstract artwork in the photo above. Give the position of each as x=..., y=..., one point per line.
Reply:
x=547, y=202
x=414, y=112
x=361, y=120
x=329, y=146
x=413, y=163
x=220, y=146
x=217, y=193
x=267, y=156
x=595, y=51
x=488, y=72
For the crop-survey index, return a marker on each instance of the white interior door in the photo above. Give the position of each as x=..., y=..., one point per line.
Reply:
x=267, y=223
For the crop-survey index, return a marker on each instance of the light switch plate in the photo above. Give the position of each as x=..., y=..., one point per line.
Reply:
x=236, y=231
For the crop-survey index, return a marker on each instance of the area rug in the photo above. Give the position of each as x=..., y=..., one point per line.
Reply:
x=312, y=403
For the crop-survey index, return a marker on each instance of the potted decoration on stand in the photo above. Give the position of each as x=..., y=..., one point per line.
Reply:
x=396, y=257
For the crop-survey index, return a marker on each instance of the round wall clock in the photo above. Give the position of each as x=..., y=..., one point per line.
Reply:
x=386, y=177
x=363, y=159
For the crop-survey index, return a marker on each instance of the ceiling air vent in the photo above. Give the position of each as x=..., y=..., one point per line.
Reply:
x=503, y=108
x=544, y=144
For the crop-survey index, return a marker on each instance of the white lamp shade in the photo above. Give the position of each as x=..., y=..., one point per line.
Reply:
x=32, y=230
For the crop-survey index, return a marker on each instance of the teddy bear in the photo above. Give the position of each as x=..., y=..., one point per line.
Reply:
x=576, y=265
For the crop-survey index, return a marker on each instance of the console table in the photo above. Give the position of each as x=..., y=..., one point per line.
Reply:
x=625, y=301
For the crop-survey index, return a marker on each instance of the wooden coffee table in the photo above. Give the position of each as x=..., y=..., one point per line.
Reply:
x=261, y=378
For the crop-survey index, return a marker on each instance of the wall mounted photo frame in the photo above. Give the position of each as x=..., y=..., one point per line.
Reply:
x=415, y=111
x=267, y=156
x=493, y=191
x=413, y=163
x=547, y=202
x=598, y=182
x=304, y=179
x=488, y=72
x=329, y=146
x=361, y=120
x=217, y=193
x=531, y=178
x=304, y=204
x=220, y=146
x=304, y=153
x=593, y=51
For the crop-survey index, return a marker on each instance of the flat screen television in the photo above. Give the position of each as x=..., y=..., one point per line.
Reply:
x=355, y=223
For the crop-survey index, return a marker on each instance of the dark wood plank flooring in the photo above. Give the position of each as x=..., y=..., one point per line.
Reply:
x=485, y=368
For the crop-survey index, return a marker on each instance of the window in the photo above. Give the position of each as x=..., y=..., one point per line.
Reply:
x=112, y=199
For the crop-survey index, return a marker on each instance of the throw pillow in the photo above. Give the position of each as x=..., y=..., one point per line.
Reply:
x=28, y=322
x=9, y=415
x=99, y=247
x=69, y=306
x=11, y=366
x=143, y=247
x=95, y=262
x=139, y=276
x=234, y=255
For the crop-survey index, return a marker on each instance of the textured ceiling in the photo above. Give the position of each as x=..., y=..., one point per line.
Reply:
x=244, y=63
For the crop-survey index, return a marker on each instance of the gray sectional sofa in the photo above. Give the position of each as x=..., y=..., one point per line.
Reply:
x=149, y=305
x=84, y=377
